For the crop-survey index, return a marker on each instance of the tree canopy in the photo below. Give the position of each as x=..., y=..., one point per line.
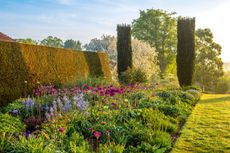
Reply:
x=52, y=42
x=27, y=41
x=209, y=66
x=97, y=44
x=158, y=28
x=72, y=44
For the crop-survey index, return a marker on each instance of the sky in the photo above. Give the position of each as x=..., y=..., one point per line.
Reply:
x=87, y=19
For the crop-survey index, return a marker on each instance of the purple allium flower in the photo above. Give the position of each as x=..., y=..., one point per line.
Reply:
x=27, y=134
x=15, y=111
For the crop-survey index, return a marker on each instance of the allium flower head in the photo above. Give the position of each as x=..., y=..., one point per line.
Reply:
x=15, y=111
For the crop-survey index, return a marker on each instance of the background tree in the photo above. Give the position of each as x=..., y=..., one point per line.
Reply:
x=124, y=48
x=209, y=66
x=158, y=28
x=72, y=44
x=27, y=41
x=52, y=42
x=144, y=56
x=185, y=50
x=97, y=44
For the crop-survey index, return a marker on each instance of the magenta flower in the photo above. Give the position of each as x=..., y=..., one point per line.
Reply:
x=102, y=93
x=91, y=129
x=61, y=129
x=97, y=134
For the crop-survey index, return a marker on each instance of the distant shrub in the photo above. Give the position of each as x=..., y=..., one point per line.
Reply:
x=222, y=86
x=132, y=76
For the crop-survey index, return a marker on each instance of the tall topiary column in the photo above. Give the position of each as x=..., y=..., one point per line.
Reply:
x=124, y=49
x=185, y=50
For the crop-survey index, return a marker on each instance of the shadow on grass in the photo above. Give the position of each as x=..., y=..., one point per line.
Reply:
x=216, y=100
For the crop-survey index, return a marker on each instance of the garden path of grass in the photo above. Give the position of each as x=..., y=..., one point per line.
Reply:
x=208, y=128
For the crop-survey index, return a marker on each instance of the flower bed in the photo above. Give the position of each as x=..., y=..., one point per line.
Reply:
x=134, y=118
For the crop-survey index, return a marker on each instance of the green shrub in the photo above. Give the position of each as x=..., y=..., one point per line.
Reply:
x=157, y=120
x=10, y=124
x=222, y=86
x=15, y=105
x=132, y=76
x=76, y=144
x=33, y=144
x=111, y=147
x=188, y=98
x=169, y=110
x=158, y=142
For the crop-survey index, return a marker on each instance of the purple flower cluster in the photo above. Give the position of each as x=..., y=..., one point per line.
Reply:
x=80, y=102
x=29, y=103
x=107, y=90
x=51, y=90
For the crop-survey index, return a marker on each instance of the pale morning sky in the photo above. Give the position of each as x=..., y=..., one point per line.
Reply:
x=86, y=19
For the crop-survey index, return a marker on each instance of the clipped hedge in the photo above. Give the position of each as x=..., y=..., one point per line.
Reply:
x=32, y=63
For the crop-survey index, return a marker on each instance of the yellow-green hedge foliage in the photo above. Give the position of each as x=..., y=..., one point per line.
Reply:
x=32, y=63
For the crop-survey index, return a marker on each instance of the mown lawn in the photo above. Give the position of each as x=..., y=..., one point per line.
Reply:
x=208, y=127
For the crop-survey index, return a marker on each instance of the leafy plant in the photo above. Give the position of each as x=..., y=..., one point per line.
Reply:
x=10, y=124
x=132, y=76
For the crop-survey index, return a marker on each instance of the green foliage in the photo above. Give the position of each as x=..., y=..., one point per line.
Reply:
x=159, y=143
x=10, y=124
x=27, y=41
x=136, y=120
x=98, y=44
x=157, y=120
x=185, y=51
x=158, y=28
x=111, y=147
x=72, y=44
x=15, y=105
x=124, y=48
x=52, y=42
x=76, y=144
x=222, y=85
x=33, y=144
x=209, y=66
x=132, y=76
x=33, y=64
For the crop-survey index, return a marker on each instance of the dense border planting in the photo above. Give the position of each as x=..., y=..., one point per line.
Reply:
x=23, y=67
x=129, y=119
